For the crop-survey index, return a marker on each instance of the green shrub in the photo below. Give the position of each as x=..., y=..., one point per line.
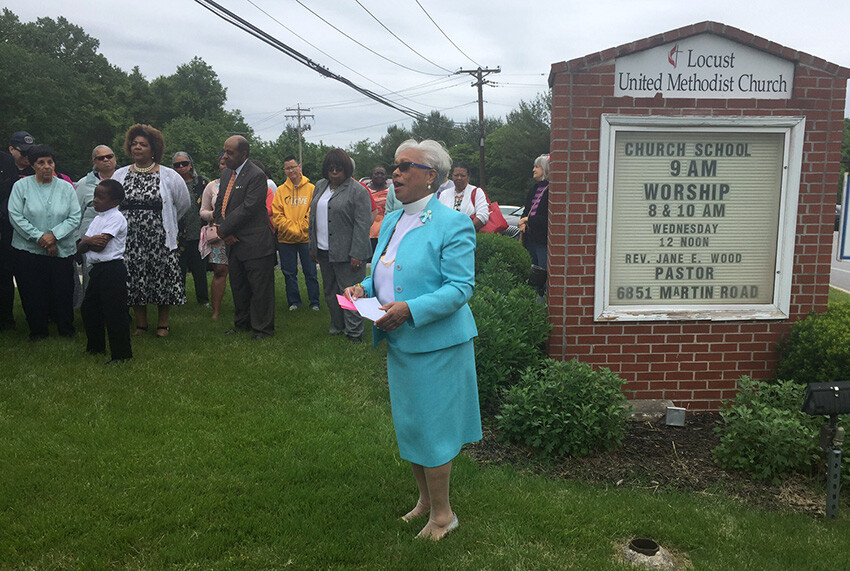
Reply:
x=818, y=347
x=764, y=432
x=512, y=331
x=565, y=408
x=501, y=263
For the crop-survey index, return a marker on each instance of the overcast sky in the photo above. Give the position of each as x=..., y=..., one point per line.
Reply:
x=523, y=38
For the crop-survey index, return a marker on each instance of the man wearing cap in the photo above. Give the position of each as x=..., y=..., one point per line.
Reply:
x=14, y=166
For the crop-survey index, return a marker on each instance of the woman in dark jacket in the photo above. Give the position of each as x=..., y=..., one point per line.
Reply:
x=535, y=217
x=190, y=225
x=340, y=217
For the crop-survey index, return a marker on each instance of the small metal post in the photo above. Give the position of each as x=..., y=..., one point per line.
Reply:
x=833, y=481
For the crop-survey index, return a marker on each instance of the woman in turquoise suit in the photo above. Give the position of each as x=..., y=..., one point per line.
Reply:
x=423, y=273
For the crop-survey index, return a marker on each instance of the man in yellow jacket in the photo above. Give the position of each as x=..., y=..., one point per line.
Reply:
x=291, y=219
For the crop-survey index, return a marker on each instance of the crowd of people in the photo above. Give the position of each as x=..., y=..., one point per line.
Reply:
x=125, y=238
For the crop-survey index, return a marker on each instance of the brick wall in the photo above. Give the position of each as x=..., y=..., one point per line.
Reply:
x=694, y=363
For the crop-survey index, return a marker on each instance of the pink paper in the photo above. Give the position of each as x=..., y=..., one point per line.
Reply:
x=345, y=303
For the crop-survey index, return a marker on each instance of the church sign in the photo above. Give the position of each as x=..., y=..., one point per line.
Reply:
x=705, y=66
x=696, y=217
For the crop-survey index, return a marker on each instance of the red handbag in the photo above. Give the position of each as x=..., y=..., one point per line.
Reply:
x=496, y=224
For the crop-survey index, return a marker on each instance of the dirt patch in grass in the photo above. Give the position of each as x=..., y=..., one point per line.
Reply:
x=656, y=456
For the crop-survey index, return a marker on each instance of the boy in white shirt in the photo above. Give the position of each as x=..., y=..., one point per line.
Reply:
x=105, y=303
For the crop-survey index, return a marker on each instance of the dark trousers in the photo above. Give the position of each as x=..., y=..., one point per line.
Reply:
x=289, y=255
x=190, y=260
x=46, y=287
x=336, y=276
x=7, y=274
x=105, y=306
x=252, y=286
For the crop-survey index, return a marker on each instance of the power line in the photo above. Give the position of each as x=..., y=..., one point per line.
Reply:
x=503, y=83
x=446, y=35
x=358, y=128
x=361, y=45
x=282, y=25
x=456, y=124
x=354, y=103
x=246, y=26
x=343, y=104
x=399, y=39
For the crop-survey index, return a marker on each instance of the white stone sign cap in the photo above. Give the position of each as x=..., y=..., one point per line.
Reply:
x=704, y=66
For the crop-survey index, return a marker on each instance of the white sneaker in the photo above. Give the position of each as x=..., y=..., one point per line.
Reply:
x=314, y=307
x=293, y=307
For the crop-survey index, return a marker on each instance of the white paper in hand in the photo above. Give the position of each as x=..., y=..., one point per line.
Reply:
x=368, y=308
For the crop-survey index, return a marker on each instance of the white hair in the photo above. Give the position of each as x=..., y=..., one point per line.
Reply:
x=94, y=150
x=188, y=158
x=543, y=162
x=436, y=156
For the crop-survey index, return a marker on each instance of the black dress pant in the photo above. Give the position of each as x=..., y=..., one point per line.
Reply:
x=105, y=305
x=190, y=260
x=46, y=287
x=252, y=286
x=7, y=274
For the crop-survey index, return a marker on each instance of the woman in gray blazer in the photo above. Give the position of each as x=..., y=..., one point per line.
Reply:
x=340, y=217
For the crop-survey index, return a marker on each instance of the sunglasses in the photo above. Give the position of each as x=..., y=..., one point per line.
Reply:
x=404, y=166
x=335, y=168
x=104, y=157
x=180, y=164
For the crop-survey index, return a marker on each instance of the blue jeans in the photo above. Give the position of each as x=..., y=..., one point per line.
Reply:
x=289, y=254
x=538, y=258
x=538, y=253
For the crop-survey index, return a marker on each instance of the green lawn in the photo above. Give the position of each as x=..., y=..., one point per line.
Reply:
x=837, y=295
x=218, y=452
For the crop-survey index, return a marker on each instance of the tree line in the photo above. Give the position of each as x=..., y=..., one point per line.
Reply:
x=66, y=94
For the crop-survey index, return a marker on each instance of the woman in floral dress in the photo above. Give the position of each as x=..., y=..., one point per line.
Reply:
x=156, y=198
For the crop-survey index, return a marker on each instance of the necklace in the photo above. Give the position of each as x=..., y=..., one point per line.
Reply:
x=46, y=199
x=144, y=169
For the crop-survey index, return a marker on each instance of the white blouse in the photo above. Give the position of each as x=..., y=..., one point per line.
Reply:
x=322, y=239
x=383, y=272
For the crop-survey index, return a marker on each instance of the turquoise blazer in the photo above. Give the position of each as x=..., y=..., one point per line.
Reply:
x=435, y=275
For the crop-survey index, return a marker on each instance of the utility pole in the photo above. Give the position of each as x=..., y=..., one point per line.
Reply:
x=298, y=116
x=479, y=75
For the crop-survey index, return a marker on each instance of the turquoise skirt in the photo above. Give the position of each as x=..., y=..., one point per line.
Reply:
x=434, y=398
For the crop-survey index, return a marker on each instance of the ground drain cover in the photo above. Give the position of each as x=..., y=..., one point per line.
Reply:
x=646, y=552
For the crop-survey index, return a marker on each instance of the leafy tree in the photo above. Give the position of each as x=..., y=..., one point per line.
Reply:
x=438, y=127
x=57, y=87
x=389, y=143
x=60, y=89
x=366, y=156
x=138, y=100
x=193, y=90
x=201, y=138
x=272, y=153
x=59, y=40
x=510, y=151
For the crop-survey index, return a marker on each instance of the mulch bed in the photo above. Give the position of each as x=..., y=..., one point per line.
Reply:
x=657, y=457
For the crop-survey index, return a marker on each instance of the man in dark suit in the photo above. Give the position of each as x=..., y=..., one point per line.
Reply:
x=243, y=224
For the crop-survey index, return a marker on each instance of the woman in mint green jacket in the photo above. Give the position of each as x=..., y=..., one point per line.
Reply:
x=45, y=213
x=423, y=274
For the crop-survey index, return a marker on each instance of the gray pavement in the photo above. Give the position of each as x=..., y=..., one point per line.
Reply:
x=839, y=276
